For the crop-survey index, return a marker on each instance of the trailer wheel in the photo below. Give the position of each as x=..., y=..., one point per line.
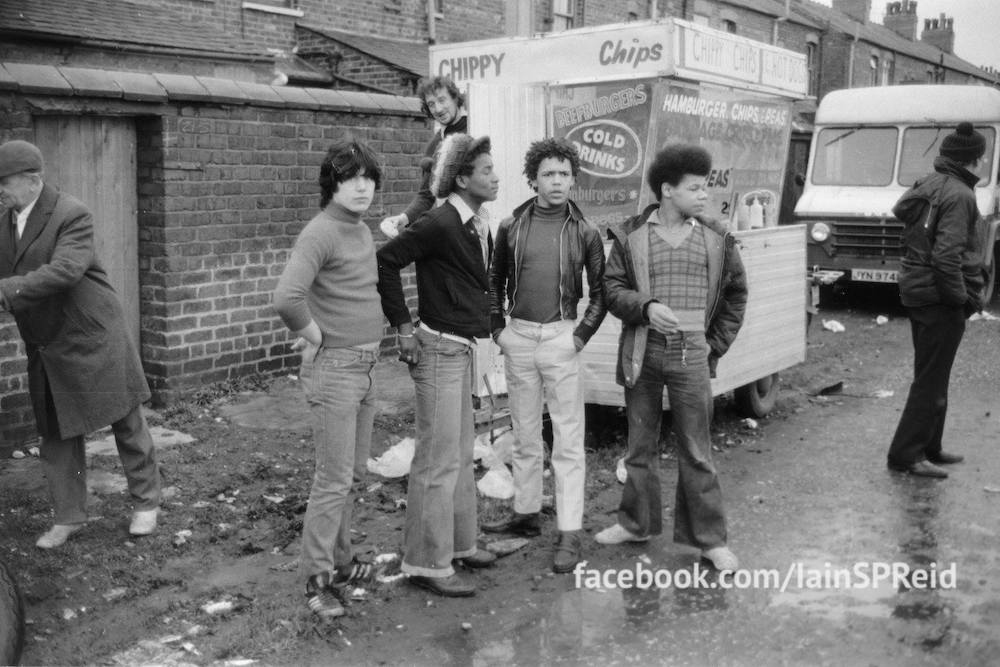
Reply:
x=11, y=619
x=757, y=398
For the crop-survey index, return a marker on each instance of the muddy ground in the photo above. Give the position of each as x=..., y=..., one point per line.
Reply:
x=230, y=527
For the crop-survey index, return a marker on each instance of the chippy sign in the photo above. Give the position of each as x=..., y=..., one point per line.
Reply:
x=602, y=52
x=703, y=50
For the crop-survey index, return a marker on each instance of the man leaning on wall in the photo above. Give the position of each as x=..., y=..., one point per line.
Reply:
x=83, y=369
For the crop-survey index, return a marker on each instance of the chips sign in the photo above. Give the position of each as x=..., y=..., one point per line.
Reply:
x=608, y=148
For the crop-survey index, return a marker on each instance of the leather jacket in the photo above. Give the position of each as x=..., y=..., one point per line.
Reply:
x=580, y=246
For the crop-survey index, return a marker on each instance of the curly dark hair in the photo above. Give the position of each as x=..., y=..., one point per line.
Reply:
x=675, y=161
x=545, y=148
x=345, y=160
x=431, y=85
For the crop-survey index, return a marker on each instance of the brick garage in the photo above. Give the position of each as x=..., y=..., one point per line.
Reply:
x=226, y=176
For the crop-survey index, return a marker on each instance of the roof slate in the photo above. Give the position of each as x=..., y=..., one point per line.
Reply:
x=120, y=21
x=411, y=56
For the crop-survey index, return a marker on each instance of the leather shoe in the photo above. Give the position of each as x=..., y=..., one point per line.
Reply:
x=449, y=587
x=57, y=535
x=568, y=551
x=945, y=458
x=525, y=525
x=482, y=558
x=922, y=469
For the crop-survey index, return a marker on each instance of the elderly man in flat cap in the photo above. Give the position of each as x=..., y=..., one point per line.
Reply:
x=451, y=246
x=83, y=370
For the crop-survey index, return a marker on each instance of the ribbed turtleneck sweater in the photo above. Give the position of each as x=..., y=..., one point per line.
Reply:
x=537, y=298
x=331, y=278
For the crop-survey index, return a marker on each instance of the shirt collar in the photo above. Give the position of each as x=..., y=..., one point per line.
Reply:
x=654, y=219
x=21, y=217
x=465, y=212
x=439, y=128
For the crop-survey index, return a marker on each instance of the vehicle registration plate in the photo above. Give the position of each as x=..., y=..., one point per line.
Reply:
x=874, y=276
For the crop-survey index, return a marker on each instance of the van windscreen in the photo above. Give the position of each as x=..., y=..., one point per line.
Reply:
x=920, y=147
x=854, y=156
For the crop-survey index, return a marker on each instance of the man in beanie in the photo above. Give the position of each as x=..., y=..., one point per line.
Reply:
x=451, y=247
x=941, y=279
x=83, y=369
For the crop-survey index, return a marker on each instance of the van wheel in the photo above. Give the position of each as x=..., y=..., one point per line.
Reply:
x=757, y=398
x=11, y=619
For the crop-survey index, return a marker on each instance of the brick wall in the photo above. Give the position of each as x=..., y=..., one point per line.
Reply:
x=223, y=191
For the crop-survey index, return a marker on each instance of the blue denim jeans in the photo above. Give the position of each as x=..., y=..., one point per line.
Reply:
x=542, y=367
x=340, y=389
x=678, y=360
x=441, y=522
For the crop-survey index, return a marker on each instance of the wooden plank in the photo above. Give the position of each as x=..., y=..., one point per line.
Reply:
x=94, y=159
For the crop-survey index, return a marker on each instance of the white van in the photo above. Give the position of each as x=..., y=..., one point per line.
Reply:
x=869, y=146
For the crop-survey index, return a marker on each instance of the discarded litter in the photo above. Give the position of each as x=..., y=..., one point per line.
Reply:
x=34, y=451
x=497, y=483
x=180, y=537
x=68, y=614
x=395, y=461
x=983, y=315
x=506, y=547
x=750, y=423
x=881, y=319
x=220, y=607
x=834, y=326
x=493, y=450
x=466, y=626
x=277, y=500
x=991, y=489
x=115, y=594
x=883, y=393
x=17, y=454
x=400, y=503
x=621, y=472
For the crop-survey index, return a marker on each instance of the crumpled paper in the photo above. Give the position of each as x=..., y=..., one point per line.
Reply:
x=395, y=461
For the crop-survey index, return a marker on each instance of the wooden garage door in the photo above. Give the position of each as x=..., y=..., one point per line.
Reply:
x=94, y=159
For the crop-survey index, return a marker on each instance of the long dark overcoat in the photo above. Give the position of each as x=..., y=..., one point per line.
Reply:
x=79, y=351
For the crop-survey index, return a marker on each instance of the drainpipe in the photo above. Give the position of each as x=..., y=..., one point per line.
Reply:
x=850, y=70
x=779, y=20
x=431, y=22
x=653, y=10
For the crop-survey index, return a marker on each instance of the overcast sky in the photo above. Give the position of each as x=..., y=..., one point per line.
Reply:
x=977, y=25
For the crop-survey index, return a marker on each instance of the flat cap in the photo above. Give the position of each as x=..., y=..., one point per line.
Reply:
x=17, y=156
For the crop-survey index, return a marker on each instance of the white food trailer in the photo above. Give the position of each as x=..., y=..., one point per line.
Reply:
x=619, y=93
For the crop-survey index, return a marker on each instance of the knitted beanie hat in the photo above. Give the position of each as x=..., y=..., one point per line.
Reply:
x=452, y=154
x=17, y=156
x=964, y=145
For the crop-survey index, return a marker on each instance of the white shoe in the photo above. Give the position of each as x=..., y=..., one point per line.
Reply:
x=57, y=535
x=617, y=534
x=143, y=522
x=721, y=558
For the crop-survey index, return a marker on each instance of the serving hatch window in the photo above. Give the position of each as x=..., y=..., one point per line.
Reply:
x=920, y=147
x=855, y=156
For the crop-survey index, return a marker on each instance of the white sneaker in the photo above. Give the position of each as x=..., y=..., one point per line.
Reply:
x=143, y=522
x=721, y=558
x=617, y=534
x=57, y=535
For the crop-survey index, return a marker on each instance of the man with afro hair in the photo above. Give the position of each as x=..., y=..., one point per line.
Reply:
x=676, y=281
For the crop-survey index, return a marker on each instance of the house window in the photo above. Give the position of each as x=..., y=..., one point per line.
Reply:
x=811, y=69
x=729, y=26
x=563, y=13
x=888, y=71
x=439, y=7
x=873, y=71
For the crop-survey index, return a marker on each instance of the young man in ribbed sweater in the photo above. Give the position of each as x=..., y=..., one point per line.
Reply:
x=327, y=296
x=451, y=248
x=537, y=279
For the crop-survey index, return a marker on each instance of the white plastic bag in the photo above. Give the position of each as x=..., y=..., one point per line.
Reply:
x=497, y=483
x=395, y=461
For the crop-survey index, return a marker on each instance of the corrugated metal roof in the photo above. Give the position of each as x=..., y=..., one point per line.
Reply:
x=411, y=56
x=121, y=22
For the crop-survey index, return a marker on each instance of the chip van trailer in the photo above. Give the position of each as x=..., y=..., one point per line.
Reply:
x=619, y=93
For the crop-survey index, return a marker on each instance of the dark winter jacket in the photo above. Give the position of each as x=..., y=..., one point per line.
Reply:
x=580, y=246
x=424, y=201
x=453, y=287
x=943, y=239
x=627, y=285
x=83, y=368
